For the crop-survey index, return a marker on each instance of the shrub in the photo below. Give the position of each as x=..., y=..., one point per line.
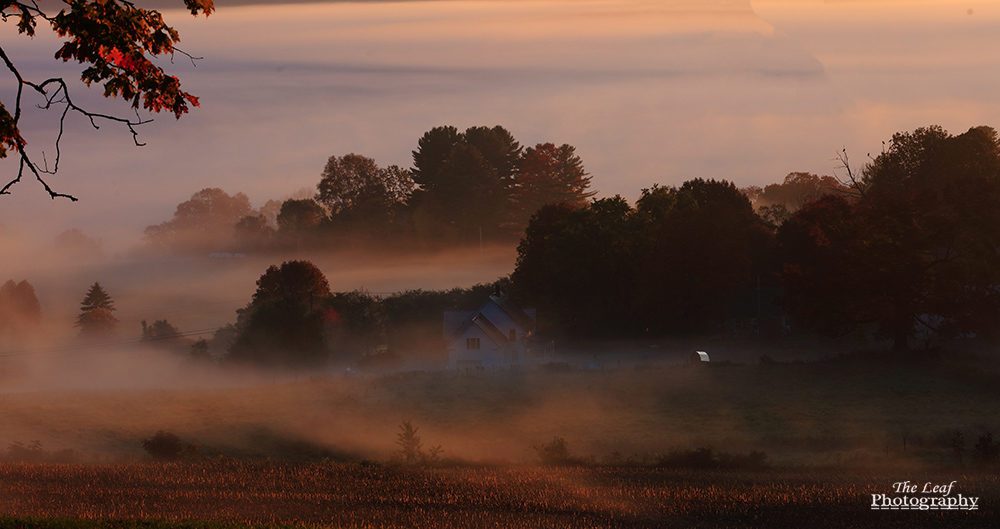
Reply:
x=986, y=450
x=411, y=448
x=556, y=453
x=163, y=446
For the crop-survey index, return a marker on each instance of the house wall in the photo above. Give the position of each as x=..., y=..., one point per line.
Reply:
x=487, y=356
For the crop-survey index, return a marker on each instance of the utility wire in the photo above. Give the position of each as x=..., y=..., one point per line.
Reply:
x=109, y=344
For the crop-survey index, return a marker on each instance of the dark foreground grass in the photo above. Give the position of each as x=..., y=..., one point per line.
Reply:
x=224, y=494
x=70, y=523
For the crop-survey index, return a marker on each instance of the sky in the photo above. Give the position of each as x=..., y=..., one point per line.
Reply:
x=647, y=91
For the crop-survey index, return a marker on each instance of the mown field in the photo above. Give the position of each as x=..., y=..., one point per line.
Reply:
x=241, y=493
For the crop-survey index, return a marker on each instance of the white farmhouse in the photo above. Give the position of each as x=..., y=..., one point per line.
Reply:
x=497, y=334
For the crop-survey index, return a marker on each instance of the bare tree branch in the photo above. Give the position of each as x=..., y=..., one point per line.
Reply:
x=117, y=54
x=856, y=186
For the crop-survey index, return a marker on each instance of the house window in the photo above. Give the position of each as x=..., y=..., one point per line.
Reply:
x=513, y=335
x=472, y=343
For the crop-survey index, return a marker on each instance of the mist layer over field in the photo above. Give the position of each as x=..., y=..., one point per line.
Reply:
x=826, y=413
x=203, y=293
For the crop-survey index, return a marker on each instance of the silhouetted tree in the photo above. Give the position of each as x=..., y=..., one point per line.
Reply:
x=824, y=272
x=96, y=323
x=200, y=351
x=203, y=224
x=797, y=190
x=577, y=266
x=654, y=204
x=299, y=219
x=362, y=197
x=253, y=233
x=464, y=181
x=159, y=330
x=95, y=319
x=284, y=323
x=97, y=298
x=548, y=175
x=774, y=215
x=164, y=335
x=702, y=254
x=921, y=241
x=20, y=311
x=360, y=325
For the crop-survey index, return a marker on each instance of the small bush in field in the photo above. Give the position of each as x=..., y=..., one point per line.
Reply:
x=163, y=446
x=556, y=453
x=411, y=448
x=986, y=450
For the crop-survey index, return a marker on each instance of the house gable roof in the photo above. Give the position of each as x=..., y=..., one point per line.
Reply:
x=495, y=335
x=525, y=322
x=483, y=322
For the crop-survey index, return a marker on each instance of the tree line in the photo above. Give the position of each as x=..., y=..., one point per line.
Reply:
x=463, y=187
x=906, y=249
x=295, y=320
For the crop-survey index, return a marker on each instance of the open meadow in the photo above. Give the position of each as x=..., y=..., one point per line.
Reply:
x=643, y=447
x=834, y=413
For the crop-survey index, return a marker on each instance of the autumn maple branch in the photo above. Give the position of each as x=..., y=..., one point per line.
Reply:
x=113, y=38
x=59, y=96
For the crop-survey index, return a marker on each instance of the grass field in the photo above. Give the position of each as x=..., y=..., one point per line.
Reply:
x=351, y=495
x=307, y=451
x=818, y=414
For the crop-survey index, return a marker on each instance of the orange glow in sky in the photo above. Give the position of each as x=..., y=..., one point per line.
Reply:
x=647, y=91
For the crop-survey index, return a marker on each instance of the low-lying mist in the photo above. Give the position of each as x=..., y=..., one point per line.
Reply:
x=101, y=407
x=97, y=401
x=101, y=397
x=200, y=294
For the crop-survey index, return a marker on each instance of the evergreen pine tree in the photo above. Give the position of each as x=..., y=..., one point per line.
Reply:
x=97, y=298
x=95, y=317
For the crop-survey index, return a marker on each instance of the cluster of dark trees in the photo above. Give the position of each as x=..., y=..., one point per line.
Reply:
x=905, y=249
x=294, y=320
x=674, y=264
x=908, y=248
x=21, y=315
x=464, y=187
x=914, y=251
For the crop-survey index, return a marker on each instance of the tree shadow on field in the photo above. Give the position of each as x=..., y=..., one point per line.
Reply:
x=263, y=442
